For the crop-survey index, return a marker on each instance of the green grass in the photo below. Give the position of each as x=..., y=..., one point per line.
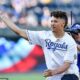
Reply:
x=30, y=76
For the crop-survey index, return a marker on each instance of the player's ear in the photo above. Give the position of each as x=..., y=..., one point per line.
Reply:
x=63, y=23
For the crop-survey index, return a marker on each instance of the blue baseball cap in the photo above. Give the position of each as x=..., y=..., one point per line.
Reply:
x=75, y=28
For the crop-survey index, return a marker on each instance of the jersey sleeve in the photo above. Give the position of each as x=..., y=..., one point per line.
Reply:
x=71, y=55
x=34, y=37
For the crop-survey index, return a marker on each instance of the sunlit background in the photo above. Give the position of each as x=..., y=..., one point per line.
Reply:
x=18, y=59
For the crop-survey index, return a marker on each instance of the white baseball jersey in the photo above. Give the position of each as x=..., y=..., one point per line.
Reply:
x=56, y=51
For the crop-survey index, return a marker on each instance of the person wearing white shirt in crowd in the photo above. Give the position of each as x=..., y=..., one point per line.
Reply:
x=60, y=49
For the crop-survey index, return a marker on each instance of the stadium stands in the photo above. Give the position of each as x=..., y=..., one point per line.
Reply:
x=30, y=14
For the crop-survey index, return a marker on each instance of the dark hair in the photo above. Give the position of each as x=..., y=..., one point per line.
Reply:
x=60, y=14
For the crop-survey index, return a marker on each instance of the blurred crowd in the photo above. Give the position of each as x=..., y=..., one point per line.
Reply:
x=35, y=13
x=30, y=14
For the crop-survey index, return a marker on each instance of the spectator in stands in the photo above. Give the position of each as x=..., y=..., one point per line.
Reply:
x=32, y=19
x=22, y=19
x=45, y=17
x=2, y=24
x=31, y=3
x=18, y=5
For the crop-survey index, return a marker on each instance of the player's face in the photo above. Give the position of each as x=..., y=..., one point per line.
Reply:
x=57, y=24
